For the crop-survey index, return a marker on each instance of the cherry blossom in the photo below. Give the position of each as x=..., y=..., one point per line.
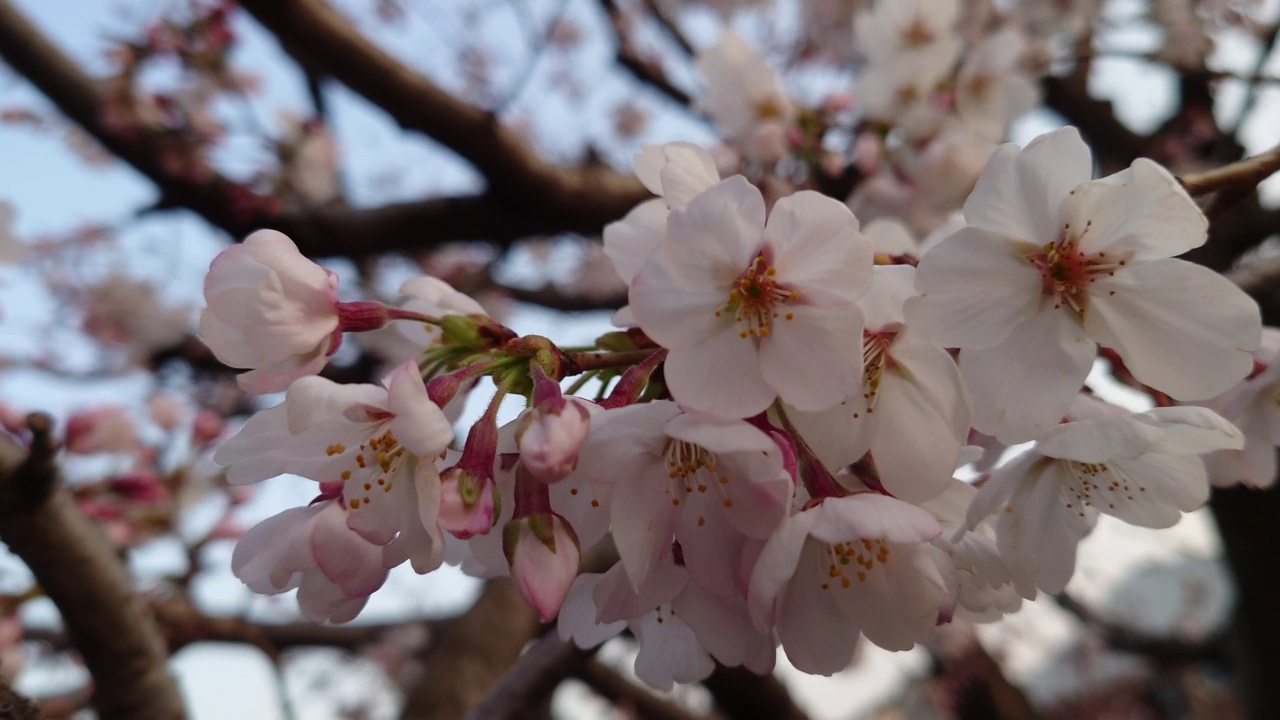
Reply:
x=1254, y=407
x=380, y=442
x=752, y=311
x=1050, y=265
x=744, y=98
x=707, y=482
x=991, y=89
x=311, y=549
x=1140, y=468
x=845, y=567
x=910, y=397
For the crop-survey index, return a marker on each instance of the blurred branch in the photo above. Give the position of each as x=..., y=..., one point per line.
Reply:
x=670, y=26
x=472, y=653
x=1160, y=649
x=743, y=695
x=1232, y=181
x=647, y=71
x=532, y=679
x=527, y=197
x=76, y=567
x=322, y=40
x=628, y=696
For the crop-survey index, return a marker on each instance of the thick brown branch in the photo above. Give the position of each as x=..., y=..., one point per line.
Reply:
x=587, y=198
x=326, y=42
x=73, y=562
x=741, y=695
x=629, y=696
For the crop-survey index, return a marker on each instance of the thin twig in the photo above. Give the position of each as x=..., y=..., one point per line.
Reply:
x=1233, y=181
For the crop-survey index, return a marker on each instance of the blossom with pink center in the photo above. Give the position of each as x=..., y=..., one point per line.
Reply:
x=1052, y=265
x=311, y=549
x=679, y=626
x=751, y=311
x=911, y=397
x=846, y=567
x=1140, y=468
x=709, y=483
x=380, y=442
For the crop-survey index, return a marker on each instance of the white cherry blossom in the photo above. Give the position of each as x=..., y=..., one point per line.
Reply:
x=744, y=98
x=1052, y=265
x=991, y=89
x=1254, y=407
x=752, y=311
x=1140, y=468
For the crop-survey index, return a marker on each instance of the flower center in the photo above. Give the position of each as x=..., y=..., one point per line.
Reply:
x=875, y=360
x=692, y=468
x=1066, y=272
x=917, y=34
x=863, y=554
x=767, y=108
x=1097, y=485
x=377, y=460
x=754, y=298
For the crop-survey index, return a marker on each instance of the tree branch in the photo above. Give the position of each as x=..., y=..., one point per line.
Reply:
x=73, y=561
x=627, y=695
x=531, y=680
x=648, y=72
x=585, y=199
x=322, y=40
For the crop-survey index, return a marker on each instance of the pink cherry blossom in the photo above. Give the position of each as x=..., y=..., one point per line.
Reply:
x=751, y=310
x=380, y=442
x=311, y=549
x=845, y=567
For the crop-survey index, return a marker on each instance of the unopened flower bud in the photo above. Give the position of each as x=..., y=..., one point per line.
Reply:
x=543, y=553
x=469, y=502
x=549, y=440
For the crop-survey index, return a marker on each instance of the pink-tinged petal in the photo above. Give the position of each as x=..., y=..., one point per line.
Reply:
x=974, y=287
x=891, y=237
x=643, y=521
x=1039, y=530
x=543, y=572
x=1151, y=491
x=1180, y=328
x=818, y=249
x=999, y=487
x=672, y=314
x=321, y=601
x=810, y=358
x=897, y=601
x=270, y=556
x=1098, y=439
x=720, y=375
x=1022, y=387
x=1019, y=194
x=314, y=400
x=840, y=435
x=818, y=638
x=623, y=442
x=1141, y=213
x=774, y=568
x=344, y=557
x=755, y=494
x=676, y=171
x=669, y=651
x=577, y=616
x=873, y=517
x=721, y=624
x=419, y=425
x=630, y=241
x=1254, y=466
x=711, y=545
x=269, y=380
x=713, y=239
x=922, y=405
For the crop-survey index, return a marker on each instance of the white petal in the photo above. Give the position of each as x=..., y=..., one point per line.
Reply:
x=1037, y=533
x=818, y=249
x=1153, y=490
x=1140, y=213
x=643, y=521
x=807, y=358
x=419, y=425
x=891, y=286
x=712, y=240
x=1022, y=387
x=818, y=638
x=629, y=242
x=1019, y=194
x=673, y=314
x=1180, y=328
x=974, y=286
x=720, y=375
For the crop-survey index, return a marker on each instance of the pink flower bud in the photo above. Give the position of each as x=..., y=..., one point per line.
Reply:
x=207, y=427
x=469, y=503
x=549, y=440
x=543, y=553
x=140, y=488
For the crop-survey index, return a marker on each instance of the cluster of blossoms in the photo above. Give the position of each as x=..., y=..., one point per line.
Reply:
x=791, y=393
x=775, y=461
